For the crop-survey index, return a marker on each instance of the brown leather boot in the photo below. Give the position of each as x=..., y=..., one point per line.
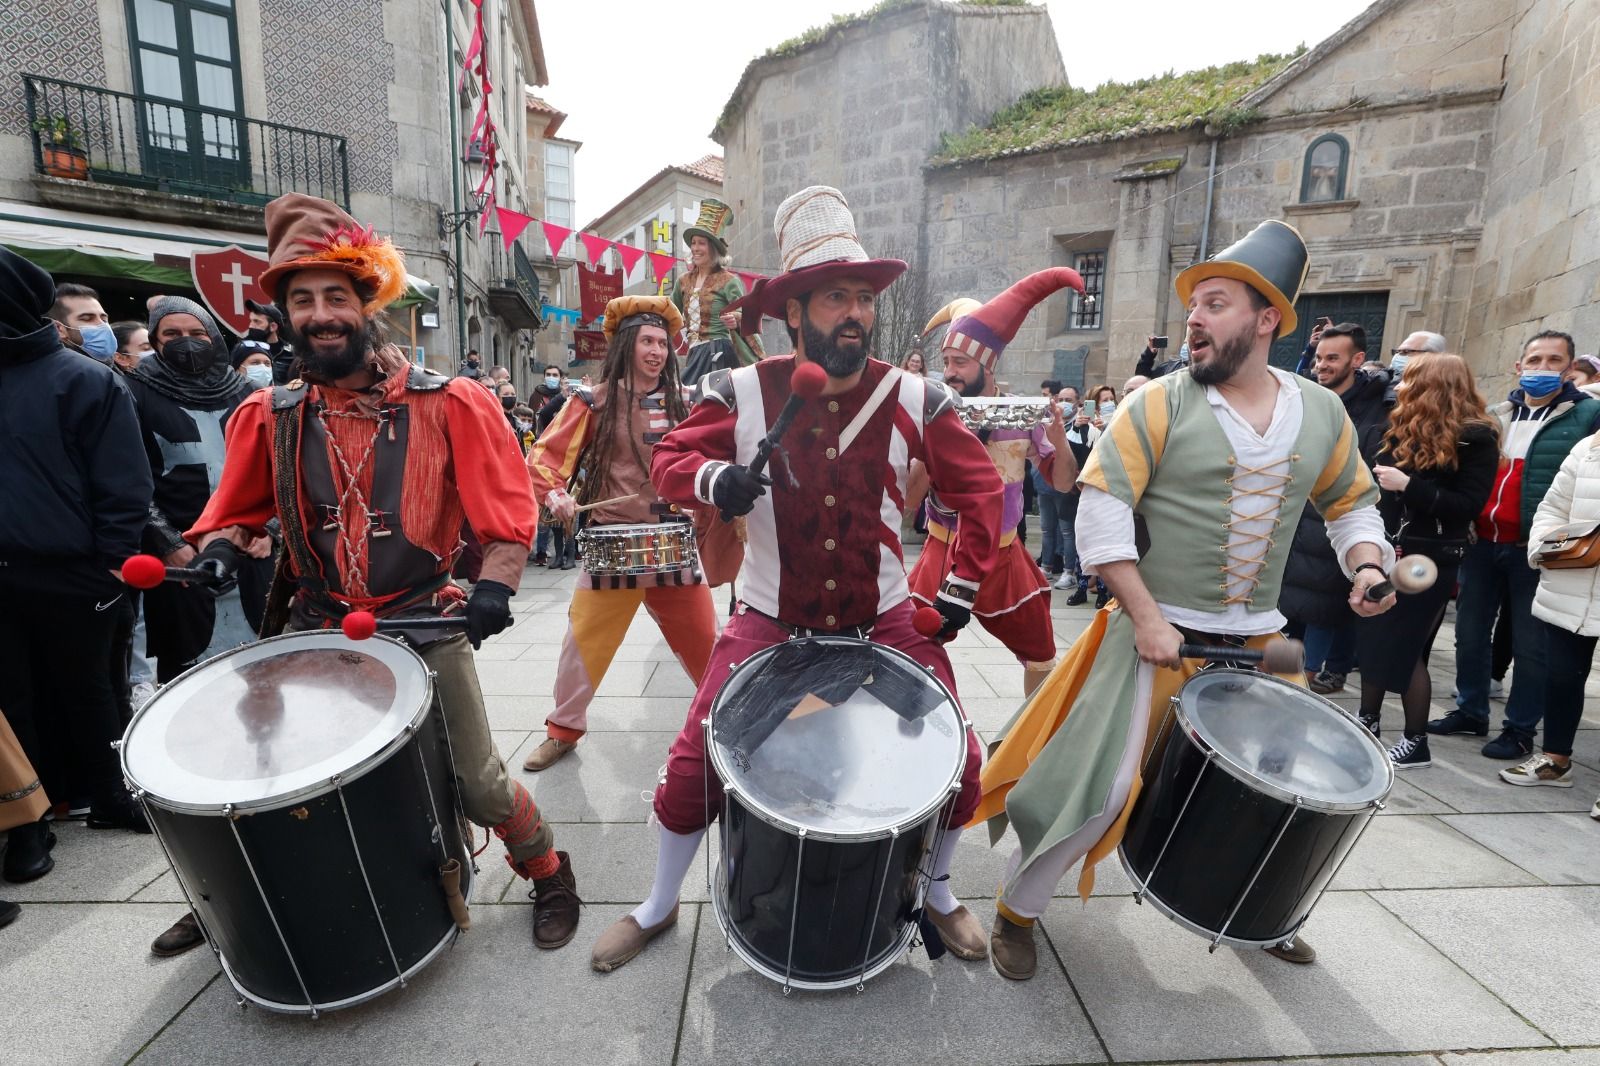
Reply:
x=547, y=754
x=1012, y=948
x=555, y=907
x=184, y=935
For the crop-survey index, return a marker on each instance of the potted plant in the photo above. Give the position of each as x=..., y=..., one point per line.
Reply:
x=61, y=149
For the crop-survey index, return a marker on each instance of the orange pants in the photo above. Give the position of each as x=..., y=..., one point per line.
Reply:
x=599, y=619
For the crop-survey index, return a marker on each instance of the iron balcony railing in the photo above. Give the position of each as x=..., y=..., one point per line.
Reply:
x=146, y=142
x=513, y=272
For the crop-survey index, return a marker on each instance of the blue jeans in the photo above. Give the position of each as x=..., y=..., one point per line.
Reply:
x=1049, y=529
x=1067, y=513
x=1489, y=572
x=1330, y=648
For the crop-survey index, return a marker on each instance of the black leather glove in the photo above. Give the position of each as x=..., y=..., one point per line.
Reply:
x=219, y=562
x=954, y=604
x=736, y=491
x=488, y=611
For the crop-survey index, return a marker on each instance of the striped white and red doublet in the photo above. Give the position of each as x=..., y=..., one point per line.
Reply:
x=824, y=542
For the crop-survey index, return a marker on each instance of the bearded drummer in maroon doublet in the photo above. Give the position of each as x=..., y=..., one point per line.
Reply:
x=823, y=554
x=372, y=466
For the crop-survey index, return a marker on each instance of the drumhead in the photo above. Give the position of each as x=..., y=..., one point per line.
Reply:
x=841, y=737
x=1276, y=733
x=268, y=722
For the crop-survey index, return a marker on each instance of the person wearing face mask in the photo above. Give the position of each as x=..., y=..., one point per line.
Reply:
x=184, y=397
x=253, y=364
x=82, y=323
x=1539, y=423
x=133, y=345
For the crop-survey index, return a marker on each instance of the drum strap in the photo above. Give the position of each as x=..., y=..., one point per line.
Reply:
x=285, y=491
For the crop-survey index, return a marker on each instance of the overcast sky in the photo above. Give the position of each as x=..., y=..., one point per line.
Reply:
x=644, y=82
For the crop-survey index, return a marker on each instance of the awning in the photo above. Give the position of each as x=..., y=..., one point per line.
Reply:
x=76, y=242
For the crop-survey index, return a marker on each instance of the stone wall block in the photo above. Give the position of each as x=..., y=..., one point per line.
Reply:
x=1449, y=185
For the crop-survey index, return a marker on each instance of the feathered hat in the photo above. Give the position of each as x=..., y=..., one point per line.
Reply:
x=983, y=330
x=308, y=232
x=625, y=311
x=816, y=242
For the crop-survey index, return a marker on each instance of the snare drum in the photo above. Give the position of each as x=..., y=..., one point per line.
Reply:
x=302, y=788
x=1254, y=793
x=634, y=550
x=838, y=759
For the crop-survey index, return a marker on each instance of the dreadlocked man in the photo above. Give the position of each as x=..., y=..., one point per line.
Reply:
x=609, y=435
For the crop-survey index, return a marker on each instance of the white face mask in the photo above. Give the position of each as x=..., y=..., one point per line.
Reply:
x=552, y=382
x=259, y=376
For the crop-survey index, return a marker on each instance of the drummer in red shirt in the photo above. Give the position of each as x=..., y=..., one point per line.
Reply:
x=823, y=553
x=372, y=466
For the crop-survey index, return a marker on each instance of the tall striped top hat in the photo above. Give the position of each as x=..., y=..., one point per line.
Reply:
x=817, y=242
x=983, y=330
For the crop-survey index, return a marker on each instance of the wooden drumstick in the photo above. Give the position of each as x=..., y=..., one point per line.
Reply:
x=1278, y=657
x=1411, y=574
x=608, y=503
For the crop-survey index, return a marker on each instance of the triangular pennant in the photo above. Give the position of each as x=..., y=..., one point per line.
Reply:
x=595, y=246
x=483, y=219
x=557, y=236
x=474, y=48
x=512, y=223
x=630, y=256
x=662, y=264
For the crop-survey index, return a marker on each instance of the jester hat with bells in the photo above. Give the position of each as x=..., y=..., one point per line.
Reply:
x=310, y=233
x=982, y=331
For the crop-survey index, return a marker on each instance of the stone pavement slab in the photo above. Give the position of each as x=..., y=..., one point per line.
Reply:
x=944, y=1013
x=1461, y=777
x=1155, y=992
x=93, y=866
x=79, y=984
x=1424, y=852
x=601, y=780
x=1560, y=849
x=1534, y=948
x=492, y=998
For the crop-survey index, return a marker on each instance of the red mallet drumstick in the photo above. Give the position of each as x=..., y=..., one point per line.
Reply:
x=146, y=572
x=806, y=383
x=1411, y=574
x=360, y=625
x=1279, y=657
x=927, y=621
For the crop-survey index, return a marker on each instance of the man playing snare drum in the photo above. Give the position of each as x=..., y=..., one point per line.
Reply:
x=823, y=548
x=604, y=437
x=372, y=466
x=1209, y=457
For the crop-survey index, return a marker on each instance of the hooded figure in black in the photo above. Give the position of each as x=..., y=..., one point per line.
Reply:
x=184, y=395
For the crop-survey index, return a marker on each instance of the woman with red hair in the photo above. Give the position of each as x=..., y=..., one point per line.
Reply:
x=1435, y=467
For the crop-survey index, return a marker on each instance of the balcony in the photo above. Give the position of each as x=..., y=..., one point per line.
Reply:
x=512, y=284
x=98, y=149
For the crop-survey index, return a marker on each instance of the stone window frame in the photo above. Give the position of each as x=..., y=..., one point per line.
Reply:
x=1341, y=185
x=1094, y=284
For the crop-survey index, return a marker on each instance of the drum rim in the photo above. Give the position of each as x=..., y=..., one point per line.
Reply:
x=857, y=978
x=287, y=799
x=778, y=821
x=1269, y=788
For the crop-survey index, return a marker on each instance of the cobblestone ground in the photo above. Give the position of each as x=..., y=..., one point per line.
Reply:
x=1463, y=930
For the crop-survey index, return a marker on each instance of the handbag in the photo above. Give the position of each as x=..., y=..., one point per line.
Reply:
x=1571, y=547
x=22, y=798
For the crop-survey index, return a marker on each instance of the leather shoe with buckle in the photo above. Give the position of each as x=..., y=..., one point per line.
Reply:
x=625, y=939
x=960, y=932
x=28, y=852
x=547, y=754
x=183, y=935
x=1294, y=950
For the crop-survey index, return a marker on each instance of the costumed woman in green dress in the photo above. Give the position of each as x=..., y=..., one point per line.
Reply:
x=703, y=295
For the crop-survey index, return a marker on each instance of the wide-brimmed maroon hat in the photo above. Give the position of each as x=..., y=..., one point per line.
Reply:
x=817, y=243
x=308, y=232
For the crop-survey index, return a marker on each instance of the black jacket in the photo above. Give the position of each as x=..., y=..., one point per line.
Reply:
x=73, y=481
x=1435, y=512
x=1315, y=590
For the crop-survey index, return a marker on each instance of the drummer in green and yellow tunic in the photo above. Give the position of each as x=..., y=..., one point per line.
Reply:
x=703, y=294
x=1065, y=771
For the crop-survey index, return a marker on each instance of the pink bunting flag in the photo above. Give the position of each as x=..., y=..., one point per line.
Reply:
x=474, y=48
x=630, y=256
x=595, y=246
x=748, y=278
x=557, y=236
x=512, y=223
x=488, y=212
x=662, y=264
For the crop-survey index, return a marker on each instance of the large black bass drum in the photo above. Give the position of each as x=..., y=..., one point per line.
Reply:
x=1255, y=791
x=839, y=759
x=303, y=790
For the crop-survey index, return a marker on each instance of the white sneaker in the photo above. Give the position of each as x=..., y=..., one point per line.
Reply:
x=141, y=694
x=1497, y=691
x=1067, y=580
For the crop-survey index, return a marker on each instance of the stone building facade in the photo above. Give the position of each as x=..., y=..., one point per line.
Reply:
x=654, y=216
x=357, y=108
x=1432, y=152
x=862, y=108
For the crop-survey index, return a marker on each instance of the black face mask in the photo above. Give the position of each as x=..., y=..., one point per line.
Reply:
x=190, y=355
x=256, y=335
x=508, y=402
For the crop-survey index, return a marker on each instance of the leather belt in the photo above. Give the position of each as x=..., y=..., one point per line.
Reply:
x=858, y=632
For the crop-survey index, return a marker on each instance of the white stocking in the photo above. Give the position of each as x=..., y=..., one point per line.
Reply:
x=940, y=898
x=673, y=860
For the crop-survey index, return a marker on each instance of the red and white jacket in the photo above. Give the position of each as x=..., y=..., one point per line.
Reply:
x=823, y=548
